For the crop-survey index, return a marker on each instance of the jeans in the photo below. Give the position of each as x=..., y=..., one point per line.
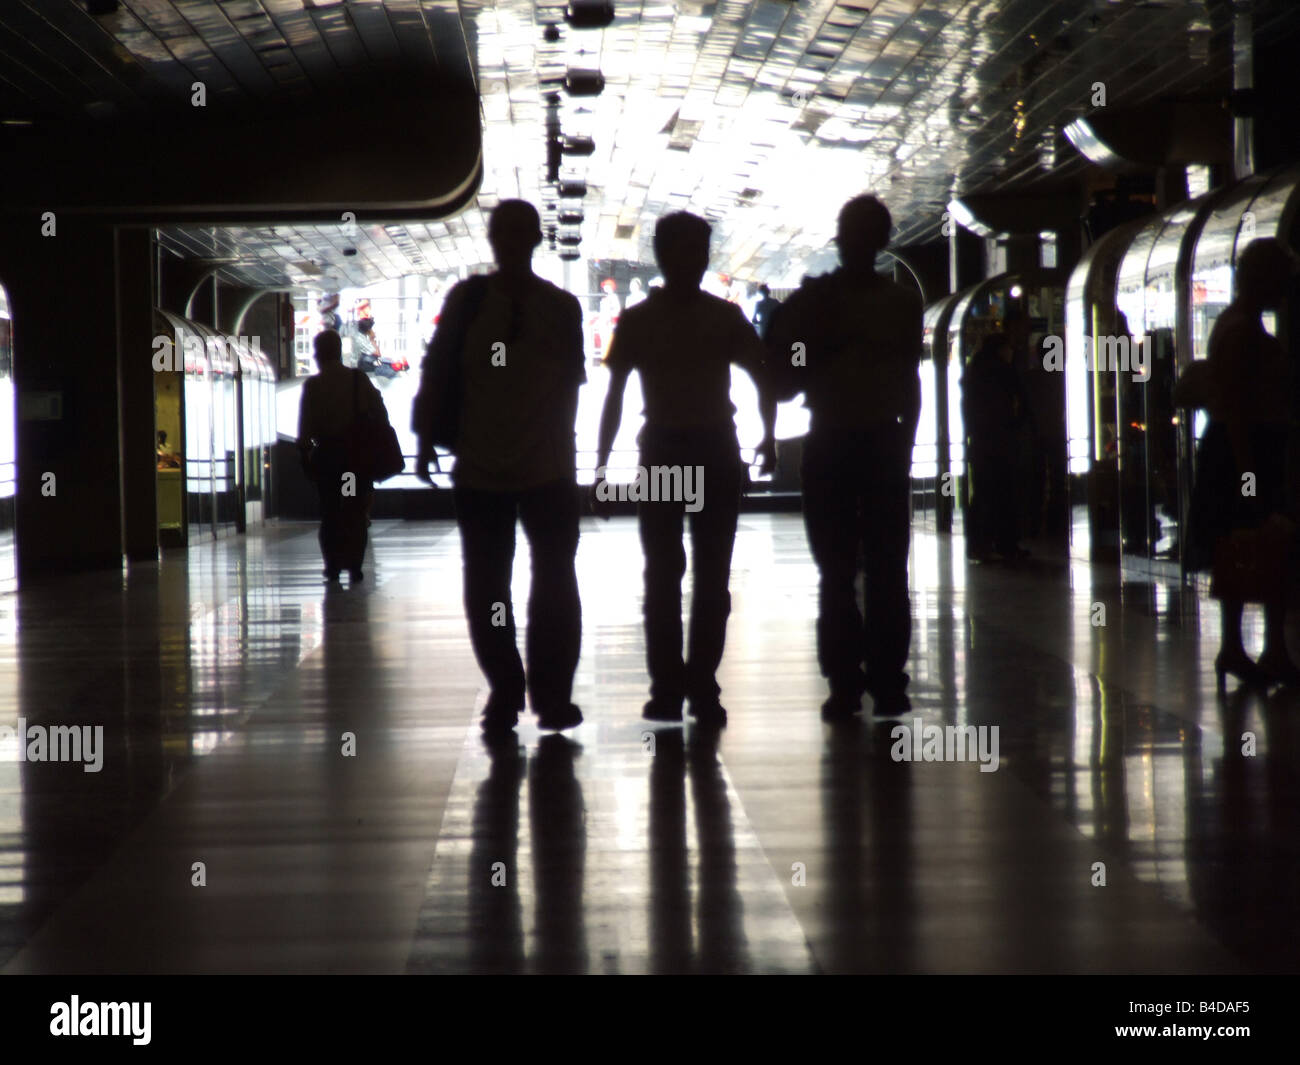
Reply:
x=713, y=535
x=549, y=514
x=856, y=487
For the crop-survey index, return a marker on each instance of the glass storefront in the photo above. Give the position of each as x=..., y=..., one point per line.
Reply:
x=206, y=486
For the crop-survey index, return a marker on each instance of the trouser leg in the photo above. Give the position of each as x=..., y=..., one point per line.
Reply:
x=830, y=508
x=550, y=520
x=660, y=527
x=487, y=534
x=713, y=537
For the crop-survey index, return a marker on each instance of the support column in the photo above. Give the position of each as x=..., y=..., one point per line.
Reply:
x=63, y=290
x=135, y=392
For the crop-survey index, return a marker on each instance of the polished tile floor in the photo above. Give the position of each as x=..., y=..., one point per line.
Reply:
x=293, y=779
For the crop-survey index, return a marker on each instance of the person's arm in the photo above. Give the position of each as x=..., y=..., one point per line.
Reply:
x=305, y=423
x=751, y=356
x=374, y=401
x=611, y=416
x=785, y=376
x=916, y=341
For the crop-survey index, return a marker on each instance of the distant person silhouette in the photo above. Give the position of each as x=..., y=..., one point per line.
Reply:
x=332, y=401
x=682, y=342
x=851, y=342
x=1249, y=408
x=994, y=406
x=763, y=311
x=519, y=345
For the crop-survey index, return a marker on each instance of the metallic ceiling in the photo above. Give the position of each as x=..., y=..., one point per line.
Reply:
x=762, y=116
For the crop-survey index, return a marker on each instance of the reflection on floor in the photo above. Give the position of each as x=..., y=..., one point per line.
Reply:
x=229, y=684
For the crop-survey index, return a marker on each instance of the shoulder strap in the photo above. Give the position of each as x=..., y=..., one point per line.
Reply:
x=356, y=383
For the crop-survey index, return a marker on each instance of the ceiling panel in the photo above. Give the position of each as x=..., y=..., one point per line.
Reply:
x=763, y=116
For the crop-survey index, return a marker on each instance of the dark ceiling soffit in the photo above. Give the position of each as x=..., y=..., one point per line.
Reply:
x=412, y=153
x=1013, y=213
x=1161, y=133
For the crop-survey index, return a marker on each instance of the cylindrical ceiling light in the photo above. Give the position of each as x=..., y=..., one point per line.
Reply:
x=584, y=82
x=570, y=255
x=571, y=218
x=570, y=241
x=573, y=190
x=589, y=14
x=579, y=146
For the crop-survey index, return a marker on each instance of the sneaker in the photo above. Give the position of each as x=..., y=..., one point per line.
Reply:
x=332, y=575
x=555, y=719
x=662, y=710
x=356, y=576
x=708, y=712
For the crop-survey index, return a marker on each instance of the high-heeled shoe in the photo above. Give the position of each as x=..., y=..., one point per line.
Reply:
x=1280, y=670
x=1241, y=667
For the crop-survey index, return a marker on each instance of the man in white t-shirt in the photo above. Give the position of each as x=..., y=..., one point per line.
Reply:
x=521, y=366
x=682, y=342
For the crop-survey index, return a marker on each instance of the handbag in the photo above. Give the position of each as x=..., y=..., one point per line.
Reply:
x=435, y=414
x=1250, y=564
x=374, y=450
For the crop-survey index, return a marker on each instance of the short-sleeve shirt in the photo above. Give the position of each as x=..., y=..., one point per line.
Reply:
x=864, y=345
x=523, y=364
x=683, y=349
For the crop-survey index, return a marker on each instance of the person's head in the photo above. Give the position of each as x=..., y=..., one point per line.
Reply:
x=635, y=284
x=162, y=437
x=764, y=291
x=366, y=324
x=329, y=347
x=862, y=232
x=514, y=231
x=681, y=245
x=1263, y=272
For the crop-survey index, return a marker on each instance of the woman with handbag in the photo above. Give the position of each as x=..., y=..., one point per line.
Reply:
x=1239, y=528
x=334, y=404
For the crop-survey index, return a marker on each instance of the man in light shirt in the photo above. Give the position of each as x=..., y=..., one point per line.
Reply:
x=683, y=341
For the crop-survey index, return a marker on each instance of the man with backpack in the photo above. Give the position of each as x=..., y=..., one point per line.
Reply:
x=851, y=342
x=499, y=388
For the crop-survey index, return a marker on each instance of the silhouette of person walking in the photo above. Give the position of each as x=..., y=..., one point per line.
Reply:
x=851, y=341
x=764, y=310
x=1245, y=444
x=518, y=342
x=994, y=405
x=332, y=401
x=683, y=341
